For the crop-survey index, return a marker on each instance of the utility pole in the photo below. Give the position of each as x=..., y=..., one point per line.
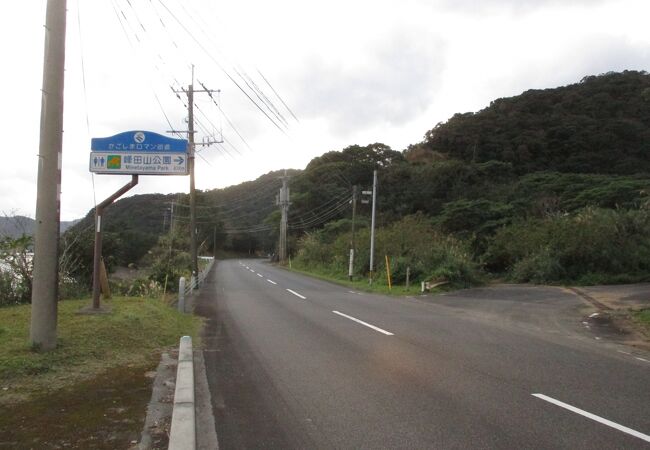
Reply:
x=284, y=203
x=48, y=196
x=372, y=222
x=354, y=214
x=190, y=162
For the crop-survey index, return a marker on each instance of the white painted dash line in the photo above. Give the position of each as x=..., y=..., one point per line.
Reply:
x=297, y=295
x=252, y=270
x=641, y=359
x=591, y=416
x=260, y=275
x=271, y=281
x=387, y=333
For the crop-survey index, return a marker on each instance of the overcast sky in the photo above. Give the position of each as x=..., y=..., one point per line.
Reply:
x=352, y=72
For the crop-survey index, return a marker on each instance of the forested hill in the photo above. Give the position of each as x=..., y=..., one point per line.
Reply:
x=599, y=125
x=520, y=164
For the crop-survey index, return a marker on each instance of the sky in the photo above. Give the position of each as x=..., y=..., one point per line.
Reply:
x=333, y=73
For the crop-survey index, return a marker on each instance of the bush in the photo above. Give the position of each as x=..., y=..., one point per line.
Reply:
x=411, y=242
x=591, y=244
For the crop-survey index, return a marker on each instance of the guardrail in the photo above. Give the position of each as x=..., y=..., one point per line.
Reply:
x=185, y=290
x=182, y=435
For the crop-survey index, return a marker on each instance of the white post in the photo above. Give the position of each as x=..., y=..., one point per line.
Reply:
x=181, y=295
x=351, y=265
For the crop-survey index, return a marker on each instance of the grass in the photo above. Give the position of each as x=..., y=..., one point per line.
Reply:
x=643, y=317
x=378, y=287
x=88, y=345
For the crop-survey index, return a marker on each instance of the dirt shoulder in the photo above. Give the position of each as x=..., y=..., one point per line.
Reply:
x=624, y=307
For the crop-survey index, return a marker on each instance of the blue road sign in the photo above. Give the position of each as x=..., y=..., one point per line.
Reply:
x=138, y=163
x=140, y=142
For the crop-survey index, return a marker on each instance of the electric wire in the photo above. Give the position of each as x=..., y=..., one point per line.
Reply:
x=218, y=64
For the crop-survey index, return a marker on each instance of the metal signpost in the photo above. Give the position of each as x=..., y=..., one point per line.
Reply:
x=131, y=153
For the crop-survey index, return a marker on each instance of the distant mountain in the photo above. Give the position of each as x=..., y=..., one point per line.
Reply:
x=16, y=226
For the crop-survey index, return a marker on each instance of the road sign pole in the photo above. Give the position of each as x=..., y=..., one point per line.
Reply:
x=99, y=212
x=46, y=239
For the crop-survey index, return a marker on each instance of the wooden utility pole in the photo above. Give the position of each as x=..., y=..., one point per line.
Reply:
x=48, y=197
x=191, y=162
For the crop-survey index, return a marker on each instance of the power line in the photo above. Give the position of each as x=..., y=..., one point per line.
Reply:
x=209, y=54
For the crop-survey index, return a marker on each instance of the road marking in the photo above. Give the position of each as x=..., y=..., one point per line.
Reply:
x=625, y=353
x=252, y=270
x=260, y=275
x=297, y=295
x=609, y=423
x=387, y=333
x=271, y=281
x=641, y=359
x=352, y=292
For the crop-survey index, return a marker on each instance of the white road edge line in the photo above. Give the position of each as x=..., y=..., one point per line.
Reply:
x=271, y=281
x=609, y=423
x=297, y=295
x=641, y=359
x=387, y=333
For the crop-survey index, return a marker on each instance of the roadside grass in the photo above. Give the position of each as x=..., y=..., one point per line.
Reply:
x=378, y=287
x=643, y=318
x=133, y=335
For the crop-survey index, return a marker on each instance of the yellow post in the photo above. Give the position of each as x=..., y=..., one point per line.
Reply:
x=390, y=287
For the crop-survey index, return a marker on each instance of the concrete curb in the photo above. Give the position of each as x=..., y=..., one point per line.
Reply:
x=182, y=435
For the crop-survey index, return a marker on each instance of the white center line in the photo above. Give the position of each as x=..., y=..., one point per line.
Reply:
x=252, y=270
x=296, y=294
x=260, y=275
x=271, y=281
x=387, y=333
x=609, y=423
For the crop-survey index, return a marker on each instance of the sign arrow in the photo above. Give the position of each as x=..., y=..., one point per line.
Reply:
x=179, y=160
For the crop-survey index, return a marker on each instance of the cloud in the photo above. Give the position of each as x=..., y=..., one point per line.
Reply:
x=514, y=6
x=390, y=83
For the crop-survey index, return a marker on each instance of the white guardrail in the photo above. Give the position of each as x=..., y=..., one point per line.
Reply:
x=185, y=290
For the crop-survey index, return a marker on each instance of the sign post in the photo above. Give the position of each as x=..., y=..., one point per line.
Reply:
x=130, y=153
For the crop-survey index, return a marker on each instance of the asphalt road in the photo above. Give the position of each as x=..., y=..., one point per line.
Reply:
x=295, y=362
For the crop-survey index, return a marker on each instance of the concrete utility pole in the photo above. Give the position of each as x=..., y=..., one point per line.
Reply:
x=45, y=285
x=372, y=222
x=352, y=249
x=284, y=203
x=191, y=161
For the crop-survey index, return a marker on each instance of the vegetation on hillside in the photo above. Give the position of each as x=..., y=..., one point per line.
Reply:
x=548, y=186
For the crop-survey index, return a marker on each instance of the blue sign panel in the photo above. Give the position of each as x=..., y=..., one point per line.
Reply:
x=139, y=141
